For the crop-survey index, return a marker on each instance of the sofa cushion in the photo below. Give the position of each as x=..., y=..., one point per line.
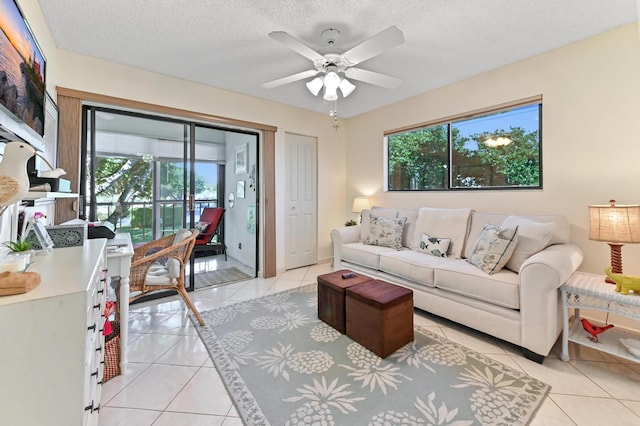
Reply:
x=532, y=237
x=434, y=246
x=377, y=211
x=411, y=265
x=479, y=219
x=443, y=223
x=386, y=232
x=459, y=276
x=409, y=226
x=493, y=248
x=363, y=255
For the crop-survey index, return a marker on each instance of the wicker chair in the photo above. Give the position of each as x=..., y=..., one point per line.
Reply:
x=160, y=264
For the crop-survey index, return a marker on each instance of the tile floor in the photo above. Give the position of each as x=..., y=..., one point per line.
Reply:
x=171, y=380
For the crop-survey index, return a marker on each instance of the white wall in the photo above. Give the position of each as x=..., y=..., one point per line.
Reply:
x=241, y=244
x=590, y=137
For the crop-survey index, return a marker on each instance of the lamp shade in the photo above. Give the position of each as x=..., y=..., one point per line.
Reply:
x=359, y=204
x=614, y=223
x=315, y=85
x=346, y=87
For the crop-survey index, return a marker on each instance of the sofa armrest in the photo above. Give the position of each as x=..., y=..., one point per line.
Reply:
x=540, y=306
x=340, y=236
x=551, y=267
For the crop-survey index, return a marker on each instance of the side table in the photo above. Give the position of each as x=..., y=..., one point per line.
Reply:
x=591, y=292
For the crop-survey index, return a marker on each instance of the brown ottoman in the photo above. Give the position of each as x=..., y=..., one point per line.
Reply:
x=380, y=316
x=331, y=297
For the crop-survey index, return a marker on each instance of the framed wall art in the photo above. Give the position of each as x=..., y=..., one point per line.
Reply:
x=241, y=159
x=240, y=189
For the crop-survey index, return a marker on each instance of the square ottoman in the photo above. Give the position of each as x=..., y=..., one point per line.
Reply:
x=380, y=316
x=331, y=297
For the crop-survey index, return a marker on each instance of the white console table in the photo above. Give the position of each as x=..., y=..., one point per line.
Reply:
x=591, y=292
x=119, y=254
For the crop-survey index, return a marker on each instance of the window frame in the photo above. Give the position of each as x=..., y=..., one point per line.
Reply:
x=450, y=121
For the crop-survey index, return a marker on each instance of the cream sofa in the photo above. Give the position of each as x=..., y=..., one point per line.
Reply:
x=520, y=305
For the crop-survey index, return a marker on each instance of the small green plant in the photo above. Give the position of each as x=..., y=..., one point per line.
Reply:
x=17, y=246
x=350, y=223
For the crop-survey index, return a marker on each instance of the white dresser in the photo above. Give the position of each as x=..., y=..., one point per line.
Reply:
x=51, y=343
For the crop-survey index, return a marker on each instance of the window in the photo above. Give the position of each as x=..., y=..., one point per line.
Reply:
x=500, y=148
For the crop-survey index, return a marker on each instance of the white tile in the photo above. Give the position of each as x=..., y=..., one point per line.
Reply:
x=111, y=416
x=205, y=394
x=185, y=419
x=154, y=388
x=633, y=406
x=589, y=411
x=549, y=414
x=473, y=340
x=117, y=383
x=189, y=350
x=233, y=421
x=150, y=347
x=617, y=379
x=563, y=377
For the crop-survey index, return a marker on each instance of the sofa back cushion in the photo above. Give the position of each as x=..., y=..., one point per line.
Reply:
x=559, y=226
x=409, y=226
x=533, y=237
x=452, y=224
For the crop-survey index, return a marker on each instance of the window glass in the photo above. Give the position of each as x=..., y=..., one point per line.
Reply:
x=496, y=150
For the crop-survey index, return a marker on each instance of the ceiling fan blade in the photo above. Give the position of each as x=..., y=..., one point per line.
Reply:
x=373, y=78
x=391, y=37
x=290, y=79
x=296, y=45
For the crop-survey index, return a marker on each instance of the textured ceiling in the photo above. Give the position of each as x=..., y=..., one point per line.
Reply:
x=225, y=44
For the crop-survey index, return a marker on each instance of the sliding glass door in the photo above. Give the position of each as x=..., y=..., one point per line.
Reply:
x=150, y=176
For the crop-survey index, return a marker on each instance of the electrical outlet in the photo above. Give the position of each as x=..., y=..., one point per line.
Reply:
x=239, y=246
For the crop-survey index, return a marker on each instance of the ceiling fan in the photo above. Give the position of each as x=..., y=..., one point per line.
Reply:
x=335, y=62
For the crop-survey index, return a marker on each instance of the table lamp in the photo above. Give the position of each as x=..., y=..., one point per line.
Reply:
x=616, y=225
x=359, y=204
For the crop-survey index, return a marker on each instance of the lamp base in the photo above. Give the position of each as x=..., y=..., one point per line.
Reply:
x=616, y=261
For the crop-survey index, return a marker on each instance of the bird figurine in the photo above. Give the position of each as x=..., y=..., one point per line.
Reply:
x=14, y=180
x=594, y=330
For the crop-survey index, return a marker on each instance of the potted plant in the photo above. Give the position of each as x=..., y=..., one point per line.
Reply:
x=22, y=247
x=350, y=223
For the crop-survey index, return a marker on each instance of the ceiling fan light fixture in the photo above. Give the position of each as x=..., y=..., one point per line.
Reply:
x=330, y=93
x=346, y=87
x=332, y=81
x=315, y=85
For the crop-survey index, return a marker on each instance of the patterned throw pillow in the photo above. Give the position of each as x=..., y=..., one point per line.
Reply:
x=202, y=226
x=434, y=246
x=493, y=248
x=386, y=232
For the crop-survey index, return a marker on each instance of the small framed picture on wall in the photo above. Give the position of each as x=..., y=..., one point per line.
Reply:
x=240, y=189
x=241, y=159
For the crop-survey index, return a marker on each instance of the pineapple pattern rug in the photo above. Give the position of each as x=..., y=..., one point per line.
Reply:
x=283, y=366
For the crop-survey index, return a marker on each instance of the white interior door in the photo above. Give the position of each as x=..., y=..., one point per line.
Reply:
x=301, y=195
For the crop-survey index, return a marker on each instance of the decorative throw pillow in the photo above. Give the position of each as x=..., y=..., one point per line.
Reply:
x=202, y=226
x=493, y=248
x=434, y=246
x=532, y=237
x=365, y=225
x=386, y=232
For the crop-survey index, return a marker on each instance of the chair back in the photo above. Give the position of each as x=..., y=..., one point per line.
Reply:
x=212, y=216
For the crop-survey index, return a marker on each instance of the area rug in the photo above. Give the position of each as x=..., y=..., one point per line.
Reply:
x=221, y=276
x=283, y=366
